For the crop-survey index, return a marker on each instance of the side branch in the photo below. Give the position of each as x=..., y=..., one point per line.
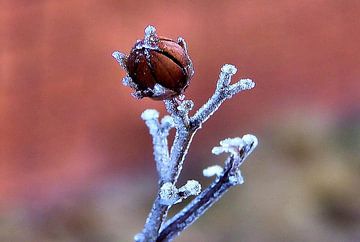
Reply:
x=230, y=176
x=223, y=91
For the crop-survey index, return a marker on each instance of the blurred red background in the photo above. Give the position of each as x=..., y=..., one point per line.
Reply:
x=69, y=128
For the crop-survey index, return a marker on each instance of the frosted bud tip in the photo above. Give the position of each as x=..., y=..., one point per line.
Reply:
x=191, y=187
x=150, y=114
x=150, y=30
x=229, y=69
x=215, y=170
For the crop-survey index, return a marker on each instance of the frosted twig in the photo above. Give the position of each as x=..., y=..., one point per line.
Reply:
x=186, y=127
x=230, y=177
x=223, y=91
x=159, y=133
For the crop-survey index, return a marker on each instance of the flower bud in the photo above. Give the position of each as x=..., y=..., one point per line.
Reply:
x=160, y=67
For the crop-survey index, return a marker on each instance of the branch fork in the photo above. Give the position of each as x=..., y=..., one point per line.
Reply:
x=169, y=164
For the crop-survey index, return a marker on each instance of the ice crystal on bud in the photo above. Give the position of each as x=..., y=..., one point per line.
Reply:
x=159, y=90
x=229, y=145
x=120, y=58
x=229, y=69
x=167, y=122
x=168, y=193
x=150, y=114
x=191, y=187
x=210, y=171
x=149, y=31
x=251, y=141
x=128, y=82
x=234, y=145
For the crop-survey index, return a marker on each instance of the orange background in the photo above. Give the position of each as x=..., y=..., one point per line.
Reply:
x=70, y=130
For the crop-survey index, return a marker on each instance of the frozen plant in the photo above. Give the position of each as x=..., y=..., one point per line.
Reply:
x=161, y=69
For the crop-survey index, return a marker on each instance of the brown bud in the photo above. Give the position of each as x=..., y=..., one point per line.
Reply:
x=160, y=67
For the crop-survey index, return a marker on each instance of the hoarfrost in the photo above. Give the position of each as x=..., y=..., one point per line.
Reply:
x=229, y=69
x=128, y=82
x=192, y=187
x=150, y=114
x=158, y=90
x=120, y=58
x=236, y=178
x=186, y=106
x=251, y=141
x=168, y=194
x=214, y=170
x=229, y=145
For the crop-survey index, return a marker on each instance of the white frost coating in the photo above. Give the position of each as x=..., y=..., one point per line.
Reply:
x=229, y=69
x=250, y=140
x=158, y=90
x=139, y=237
x=149, y=31
x=215, y=170
x=168, y=194
x=120, y=58
x=149, y=114
x=236, y=178
x=192, y=187
x=167, y=123
x=128, y=82
x=186, y=106
x=229, y=145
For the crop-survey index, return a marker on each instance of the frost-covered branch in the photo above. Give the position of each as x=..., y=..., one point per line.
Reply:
x=239, y=149
x=159, y=132
x=223, y=91
x=169, y=165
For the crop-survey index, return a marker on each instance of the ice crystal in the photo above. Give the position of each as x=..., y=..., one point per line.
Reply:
x=236, y=178
x=158, y=90
x=229, y=69
x=214, y=170
x=149, y=114
x=168, y=193
x=120, y=58
x=229, y=145
x=191, y=187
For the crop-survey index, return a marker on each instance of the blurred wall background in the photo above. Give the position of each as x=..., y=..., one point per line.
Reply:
x=76, y=160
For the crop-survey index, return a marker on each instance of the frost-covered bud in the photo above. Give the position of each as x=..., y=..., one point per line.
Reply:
x=160, y=67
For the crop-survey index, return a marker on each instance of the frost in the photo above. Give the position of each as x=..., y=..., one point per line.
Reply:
x=168, y=194
x=137, y=94
x=191, y=187
x=149, y=31
x=158, y=90
x=229, y=69
x=139, y=237
x=120, y=58
x=149, y=114
x=234, y=145
x=167, y=122
x=229, y=145
x=128, y=82
x=236, y=178
x=215, y=170
x=186, y=106
x=243, y=84
x=250, y=140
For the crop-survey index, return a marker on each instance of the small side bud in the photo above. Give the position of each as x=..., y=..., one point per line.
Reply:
x=215, y=170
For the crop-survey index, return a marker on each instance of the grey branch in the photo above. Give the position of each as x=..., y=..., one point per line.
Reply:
x=169, y=165
x=209, y=196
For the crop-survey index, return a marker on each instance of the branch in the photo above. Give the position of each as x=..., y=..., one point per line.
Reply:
x=186, y=128
x=223, y=91
x=230, y=176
